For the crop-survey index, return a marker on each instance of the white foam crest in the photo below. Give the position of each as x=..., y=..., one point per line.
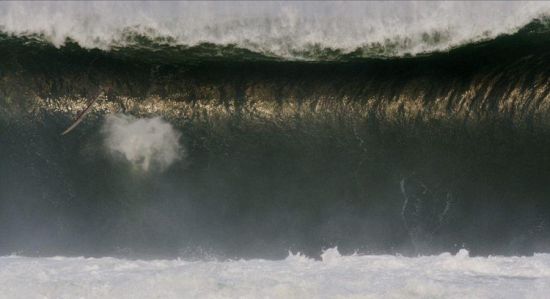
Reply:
x=297, y=257
x=331, y=256
x=145, y=142
x=356, y=276
x=284, y=29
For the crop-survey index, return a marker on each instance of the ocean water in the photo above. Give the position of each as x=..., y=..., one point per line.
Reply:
x=294, y=30
x=297, y=276
x=183, y=149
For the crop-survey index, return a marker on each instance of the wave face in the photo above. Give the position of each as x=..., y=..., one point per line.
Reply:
x=290, y=30
x=204, y=142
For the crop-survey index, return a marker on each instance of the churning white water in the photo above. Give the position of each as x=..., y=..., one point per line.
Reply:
x=283, y=29
x=144, y=142
x=335, y=276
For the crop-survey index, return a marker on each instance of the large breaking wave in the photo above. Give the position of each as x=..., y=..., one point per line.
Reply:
x=422, y=132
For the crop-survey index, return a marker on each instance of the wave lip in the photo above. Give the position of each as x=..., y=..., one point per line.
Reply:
x=314, y=31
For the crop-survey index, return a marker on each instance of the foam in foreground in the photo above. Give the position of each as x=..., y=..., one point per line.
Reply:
x=297, y=276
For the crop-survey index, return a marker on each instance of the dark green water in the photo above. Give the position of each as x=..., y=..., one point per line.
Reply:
x=404, y=155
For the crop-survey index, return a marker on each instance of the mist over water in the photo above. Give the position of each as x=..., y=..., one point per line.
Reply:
x=146, y=143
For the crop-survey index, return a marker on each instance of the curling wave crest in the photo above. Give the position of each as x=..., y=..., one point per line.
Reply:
x=297, y=30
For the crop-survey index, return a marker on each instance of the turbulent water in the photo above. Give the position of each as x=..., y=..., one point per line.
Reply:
x=278, y=29
x=244, y=130
x=335, y=276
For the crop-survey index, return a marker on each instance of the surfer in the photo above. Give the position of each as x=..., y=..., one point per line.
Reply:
x=86, y=110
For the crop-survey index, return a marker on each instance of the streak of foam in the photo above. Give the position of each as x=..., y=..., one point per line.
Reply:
x=283, y=29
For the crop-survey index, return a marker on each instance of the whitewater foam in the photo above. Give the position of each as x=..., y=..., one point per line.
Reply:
x=335, y=276
x=144, y=142
x=290, y=30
